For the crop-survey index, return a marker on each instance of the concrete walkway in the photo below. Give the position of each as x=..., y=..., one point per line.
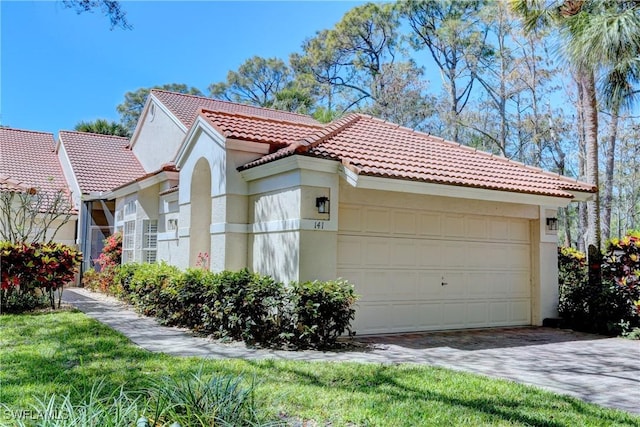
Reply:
x=600, y=370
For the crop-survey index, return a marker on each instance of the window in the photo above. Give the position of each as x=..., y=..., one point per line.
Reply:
x=150, y=240
x=130, y=208
x=128, y=240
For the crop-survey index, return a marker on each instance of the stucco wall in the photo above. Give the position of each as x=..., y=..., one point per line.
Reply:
x=158, y=139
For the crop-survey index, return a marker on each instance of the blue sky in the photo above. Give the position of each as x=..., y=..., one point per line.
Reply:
x=58, y=68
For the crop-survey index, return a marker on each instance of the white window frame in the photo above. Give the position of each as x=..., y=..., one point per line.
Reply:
x=128, y=241
x=150, y=240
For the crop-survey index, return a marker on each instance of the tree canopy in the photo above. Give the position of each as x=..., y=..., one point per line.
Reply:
x=111, y=9
x=103, y=127
x=134, y=101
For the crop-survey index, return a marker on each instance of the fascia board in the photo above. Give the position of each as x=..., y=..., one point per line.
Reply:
x=65, y=162
x=288, y=164
x=397, y=185
x=581, y=196
x=141, y=185
x=248, y=146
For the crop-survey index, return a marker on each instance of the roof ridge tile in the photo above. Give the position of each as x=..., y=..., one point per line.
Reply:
x=228, y=102
x=204, y=110
x=329, y=131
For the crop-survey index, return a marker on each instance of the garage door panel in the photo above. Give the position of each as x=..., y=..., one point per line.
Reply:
x=477, y=314
x=451, y=318
x=377, y=220
x=520, y=312
x=454, y=254
x=499, y=312
x=453, y=226
x=376, y=252
x=404, y=252
x=476, y=228
x=430, y=224
x=350, y=219
x=429, y=254
x=398, y=260
x=405, y=222
x=519, y=231
x=454, y=285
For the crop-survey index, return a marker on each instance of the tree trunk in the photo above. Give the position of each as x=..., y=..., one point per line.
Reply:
x=607, y=196
x=582, y=207
x=589, y=105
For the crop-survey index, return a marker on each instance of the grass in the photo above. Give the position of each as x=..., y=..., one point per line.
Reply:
x=61, y=352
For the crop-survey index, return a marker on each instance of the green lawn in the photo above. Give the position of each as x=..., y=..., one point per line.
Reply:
x=58, y=352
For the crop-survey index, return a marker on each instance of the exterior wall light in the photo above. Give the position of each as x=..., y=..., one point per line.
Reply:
x=322, y=203
x=552, y=224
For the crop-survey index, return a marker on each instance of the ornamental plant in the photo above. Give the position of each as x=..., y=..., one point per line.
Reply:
x=34, y=270
x=102, y=278
x=611, y=306
x=621, y=272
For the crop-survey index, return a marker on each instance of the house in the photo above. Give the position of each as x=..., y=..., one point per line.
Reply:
x=93, y=165
x=28, y=163
x=433, y=234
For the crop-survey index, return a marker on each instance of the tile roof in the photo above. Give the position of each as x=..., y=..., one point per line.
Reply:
x=277, y=133
x=100, y=162
x=373, y=147
x=9, y=184
x=28, y=159
x=187, y=107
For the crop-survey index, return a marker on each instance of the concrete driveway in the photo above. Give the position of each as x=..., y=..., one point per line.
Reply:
x=596, y=369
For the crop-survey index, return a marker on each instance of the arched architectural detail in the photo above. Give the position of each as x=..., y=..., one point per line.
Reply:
x=200, y=229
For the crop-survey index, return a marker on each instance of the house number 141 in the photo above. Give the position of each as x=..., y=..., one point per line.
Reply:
x=318, y=225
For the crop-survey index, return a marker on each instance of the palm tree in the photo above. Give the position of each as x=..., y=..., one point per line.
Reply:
x=103, y=127
x=599, y=38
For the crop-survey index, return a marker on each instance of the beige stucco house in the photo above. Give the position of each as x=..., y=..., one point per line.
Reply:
x=433, y=235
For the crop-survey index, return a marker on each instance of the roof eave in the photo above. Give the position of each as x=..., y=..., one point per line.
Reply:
x=446, y=190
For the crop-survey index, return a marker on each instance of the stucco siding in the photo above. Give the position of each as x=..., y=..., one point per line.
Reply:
x=158, y=139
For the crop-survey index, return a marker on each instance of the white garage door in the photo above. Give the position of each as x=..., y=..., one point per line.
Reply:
x=423, y=270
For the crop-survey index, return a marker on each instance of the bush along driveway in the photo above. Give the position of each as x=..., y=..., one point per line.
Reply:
x=595, y=369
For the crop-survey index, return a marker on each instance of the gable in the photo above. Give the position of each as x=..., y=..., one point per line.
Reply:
x=157, y=137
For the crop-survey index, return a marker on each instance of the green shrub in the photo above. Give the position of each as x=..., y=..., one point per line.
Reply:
x=244, y=305
x=239, y=305
x=17, y=302
x=147, y=285
x=321, y=312
x=186, y=296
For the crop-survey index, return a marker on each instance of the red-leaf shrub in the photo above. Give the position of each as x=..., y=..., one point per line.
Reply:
x=29, y=268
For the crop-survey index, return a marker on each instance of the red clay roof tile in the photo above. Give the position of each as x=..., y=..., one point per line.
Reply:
x=100, y=162
x=372, y=147
x=28, y=158
x=187, y=107
x=277, y=133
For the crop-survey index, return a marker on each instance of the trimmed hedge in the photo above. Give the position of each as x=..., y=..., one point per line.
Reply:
x=239, y=305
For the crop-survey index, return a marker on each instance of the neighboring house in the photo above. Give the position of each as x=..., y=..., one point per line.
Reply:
x=28, y=162
x=433, y=235
x=95, y=164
